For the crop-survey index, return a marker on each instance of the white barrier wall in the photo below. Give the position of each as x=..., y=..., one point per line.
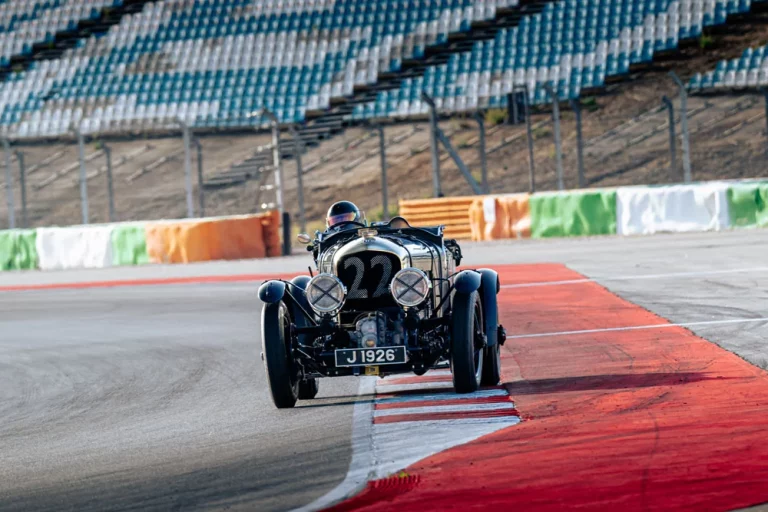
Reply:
x=672, y=209
x=75, y=247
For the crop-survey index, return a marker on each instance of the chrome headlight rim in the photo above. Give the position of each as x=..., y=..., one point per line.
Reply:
x=397, y=280
x=326, y=292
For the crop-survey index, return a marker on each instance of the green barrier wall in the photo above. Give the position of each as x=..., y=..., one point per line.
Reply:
x=129, y=245
x=748, y=205
x=573, y=213
x=17, y=249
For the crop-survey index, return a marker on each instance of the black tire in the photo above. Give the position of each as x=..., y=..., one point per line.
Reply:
x=466, y=359
x=491, y=366
x=308, y=389
x=281, y=374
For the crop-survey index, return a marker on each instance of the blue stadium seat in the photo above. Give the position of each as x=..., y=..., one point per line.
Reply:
x=213, y=62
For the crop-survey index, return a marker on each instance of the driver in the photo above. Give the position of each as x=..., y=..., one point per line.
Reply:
x=343, y=211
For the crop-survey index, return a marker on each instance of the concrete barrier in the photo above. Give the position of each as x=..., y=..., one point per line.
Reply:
x=748, y=204
x=573, y=213
x=233, y=238
x=672, y=209
x=74, y=247
x=18, y=250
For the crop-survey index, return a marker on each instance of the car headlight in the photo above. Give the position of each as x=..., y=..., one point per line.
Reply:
x=326, y=294
x=410, y=287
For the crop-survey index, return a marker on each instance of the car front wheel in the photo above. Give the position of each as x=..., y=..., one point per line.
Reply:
x=467, y=342
x=281, y=372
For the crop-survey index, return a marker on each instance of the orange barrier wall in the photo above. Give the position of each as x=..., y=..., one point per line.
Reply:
x=500, y=217
x=231, y=238
x=451, y=212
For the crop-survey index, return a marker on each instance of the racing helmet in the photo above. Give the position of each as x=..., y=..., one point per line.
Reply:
x=343, y=211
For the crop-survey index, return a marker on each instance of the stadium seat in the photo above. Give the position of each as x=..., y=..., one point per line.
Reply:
x=213, y=62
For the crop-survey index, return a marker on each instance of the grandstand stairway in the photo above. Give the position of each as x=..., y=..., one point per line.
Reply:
x=331, y=120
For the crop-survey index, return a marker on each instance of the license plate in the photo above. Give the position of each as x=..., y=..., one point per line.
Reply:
x=370, y=356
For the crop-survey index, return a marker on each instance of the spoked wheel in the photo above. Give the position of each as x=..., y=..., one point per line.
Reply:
x=281, y=372
x=467, y=351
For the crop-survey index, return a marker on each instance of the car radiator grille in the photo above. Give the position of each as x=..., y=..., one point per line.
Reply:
x=367, y=276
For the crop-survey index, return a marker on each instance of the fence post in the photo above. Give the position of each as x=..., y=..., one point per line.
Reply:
x=200, y=182
x=275, y=124
x=513, y=116
x=433, y=147
x=384, y=189
x=83, y=177
x=529, y=133
x=298, y=147
x=23, y=187
x=187, y=167
x=672, y=140
x=576, y=106
x=9, y=184
x=684, y=126
x=110, y=187
x=286, y=219
x=483, y=157
x=765, y=96
x=558, y=141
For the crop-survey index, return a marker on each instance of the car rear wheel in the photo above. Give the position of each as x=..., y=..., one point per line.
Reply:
x=281, y=372
x=467, y=349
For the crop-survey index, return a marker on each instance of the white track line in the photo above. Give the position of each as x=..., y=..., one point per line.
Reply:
x=362, y=453
x=437, y=409
x=443, y=396
x=425, y=386
x=640, y=277
x=640, y=328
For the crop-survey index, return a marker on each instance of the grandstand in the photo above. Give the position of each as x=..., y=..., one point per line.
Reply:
x=120, y=68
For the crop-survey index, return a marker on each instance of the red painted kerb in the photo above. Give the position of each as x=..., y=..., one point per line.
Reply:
x=629, y=420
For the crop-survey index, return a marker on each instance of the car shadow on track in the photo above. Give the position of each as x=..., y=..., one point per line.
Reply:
x=606, y=382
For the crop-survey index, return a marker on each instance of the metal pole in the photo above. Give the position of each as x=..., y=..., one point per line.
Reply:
x=286, y=220
x=187, y=167
x=23, y=186
x=672, y=140
x=110, y=188
x=298, y=147
x=513, y=116
x=765, y=95
x=576, y=106
x=684, y=125
x=558, y=141
x=9, y=184
x=529, y=133
x=275, y=154
x=483, y=157
x=83, y=176
x=476, y=189
x=200, y=183
x=384, y=189
x=438, y=191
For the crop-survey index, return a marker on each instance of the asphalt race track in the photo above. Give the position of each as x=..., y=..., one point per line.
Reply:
x=154, y=397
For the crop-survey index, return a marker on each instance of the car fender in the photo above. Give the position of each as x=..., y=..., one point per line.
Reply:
x=467, y=281
x=272, y=292
x=299, y=296
x=489, y=288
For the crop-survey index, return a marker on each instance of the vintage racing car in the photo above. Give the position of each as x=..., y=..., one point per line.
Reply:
x=387, y=299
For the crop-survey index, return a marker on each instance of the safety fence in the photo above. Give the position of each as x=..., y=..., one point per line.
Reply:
x=641, y=210
x=121, y=244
